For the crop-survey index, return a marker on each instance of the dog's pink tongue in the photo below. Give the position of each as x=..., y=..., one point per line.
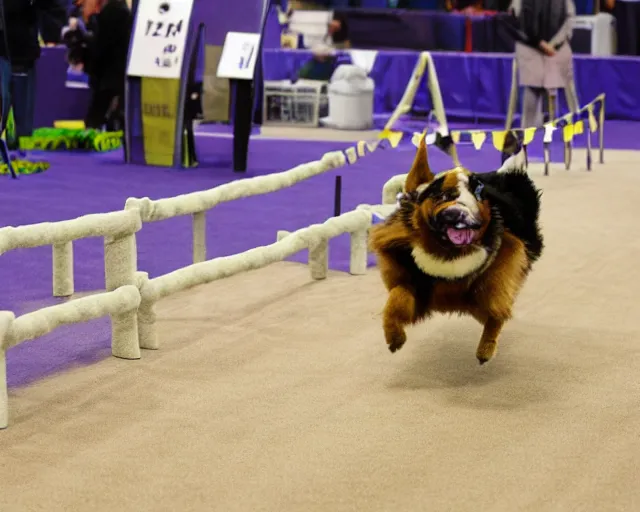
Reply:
x=460, y=236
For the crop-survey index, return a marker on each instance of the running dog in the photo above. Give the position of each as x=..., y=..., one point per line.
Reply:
x=459, y=242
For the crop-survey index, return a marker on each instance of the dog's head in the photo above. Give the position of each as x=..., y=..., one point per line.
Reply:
x=449, y=211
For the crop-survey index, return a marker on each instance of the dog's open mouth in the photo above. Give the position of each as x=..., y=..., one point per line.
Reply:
x=462, y=234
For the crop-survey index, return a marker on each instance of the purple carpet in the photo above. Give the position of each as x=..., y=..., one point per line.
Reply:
x=78, y=184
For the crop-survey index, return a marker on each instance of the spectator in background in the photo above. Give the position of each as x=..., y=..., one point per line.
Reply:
x=338, y=31
x=19, y=51
x=321, y=66
x=99, y=44
x=51, y=24
x=545, y=61
x=627, y=15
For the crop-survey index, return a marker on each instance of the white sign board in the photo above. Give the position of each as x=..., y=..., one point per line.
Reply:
x=159, y=38
x=239, y=55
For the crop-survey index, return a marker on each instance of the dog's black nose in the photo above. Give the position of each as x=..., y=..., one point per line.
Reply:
x=451, y=216
x=457, y=217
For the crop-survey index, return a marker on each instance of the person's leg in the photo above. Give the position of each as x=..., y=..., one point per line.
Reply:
x=115, y=113
x=531, y=107
x=5, y=106
x=571, y=95
x=98, y=108
x=5, y=93
x=23, y=93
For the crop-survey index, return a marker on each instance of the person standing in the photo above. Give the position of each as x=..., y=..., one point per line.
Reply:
x=112, y=28
x=19, y=52
x=627, y=15
x=545, y=61
x=338, y=32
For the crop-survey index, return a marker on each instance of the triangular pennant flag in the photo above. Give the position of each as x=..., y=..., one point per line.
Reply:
x=393, y=137
x=417, y=137
x=578, y=128
x=351, y=155
x=455, y=136
x=593, y=124
x=567, y=133
x=361, y=148
x=498, y=138
x=529, y=133
x=548, y=132
x=364, y=59
x=478, y=139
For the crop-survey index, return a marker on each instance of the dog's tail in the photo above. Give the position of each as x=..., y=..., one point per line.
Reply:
x=514, y=154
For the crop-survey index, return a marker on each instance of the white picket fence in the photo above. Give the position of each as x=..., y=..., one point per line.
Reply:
x=130, y=295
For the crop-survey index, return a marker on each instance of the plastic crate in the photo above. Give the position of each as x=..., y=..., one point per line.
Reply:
x=294, y=104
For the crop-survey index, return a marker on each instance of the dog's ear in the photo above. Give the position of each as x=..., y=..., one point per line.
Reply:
x=420, y=172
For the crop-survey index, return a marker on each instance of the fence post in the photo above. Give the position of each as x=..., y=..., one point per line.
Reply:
x=319, y=259
x=359, y=253
x=6, y=319
x=120, y=262
x=63, y=282
x=199, y=237
x=147, y=332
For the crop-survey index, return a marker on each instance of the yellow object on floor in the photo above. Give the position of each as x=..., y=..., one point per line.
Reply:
x=69, y=125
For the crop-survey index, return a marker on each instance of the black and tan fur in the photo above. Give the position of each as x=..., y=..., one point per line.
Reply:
x=425, y=272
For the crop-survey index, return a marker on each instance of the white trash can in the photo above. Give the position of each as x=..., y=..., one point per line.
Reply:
x=350, y=99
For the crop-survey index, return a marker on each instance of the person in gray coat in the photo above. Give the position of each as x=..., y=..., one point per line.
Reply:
x=545, y=61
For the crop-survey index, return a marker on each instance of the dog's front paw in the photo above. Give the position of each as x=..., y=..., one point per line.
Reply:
x=486, y=351
x=395, y=338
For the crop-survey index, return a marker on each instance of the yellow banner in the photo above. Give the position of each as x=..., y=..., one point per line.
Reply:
x=159, y=111
x=393, y=137
x=478, y=139
x=529, y=133
x=567, y=133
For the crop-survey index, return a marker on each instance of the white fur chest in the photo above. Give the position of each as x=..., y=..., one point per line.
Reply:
x=450, y=269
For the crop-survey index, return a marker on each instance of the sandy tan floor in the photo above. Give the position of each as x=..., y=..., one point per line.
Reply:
x=273, y=393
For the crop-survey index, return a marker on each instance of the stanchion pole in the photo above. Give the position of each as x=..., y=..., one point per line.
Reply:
x=337, y=197
x=588, y=130
x=548, y=137
x=601, y=131
x=547, y=158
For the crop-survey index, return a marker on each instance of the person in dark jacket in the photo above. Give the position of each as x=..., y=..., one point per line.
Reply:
x=19, y=51
x=99, y=43
x=50, y=24
x=112, y=32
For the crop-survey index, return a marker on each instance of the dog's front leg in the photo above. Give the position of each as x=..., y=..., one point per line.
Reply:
x=489, y=340
x=399, y=312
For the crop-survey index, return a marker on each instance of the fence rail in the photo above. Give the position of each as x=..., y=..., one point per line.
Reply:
x=130, y=295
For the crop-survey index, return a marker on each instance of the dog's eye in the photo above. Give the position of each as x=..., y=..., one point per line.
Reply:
x=478, y=191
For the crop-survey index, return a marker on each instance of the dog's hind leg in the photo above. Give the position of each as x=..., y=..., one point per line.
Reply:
x=489, y=340
x=399, y=312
